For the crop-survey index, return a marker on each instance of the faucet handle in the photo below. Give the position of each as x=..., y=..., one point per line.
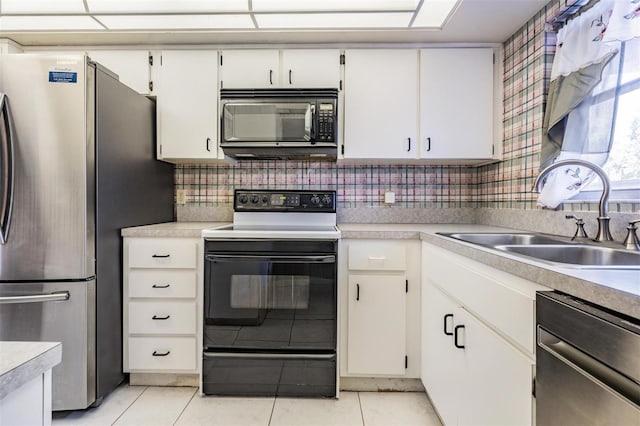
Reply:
x=580, y=232
x=631, y=241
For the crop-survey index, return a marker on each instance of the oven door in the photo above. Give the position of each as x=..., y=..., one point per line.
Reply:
x=270, y=318
x=269, y=121
x=279, y=301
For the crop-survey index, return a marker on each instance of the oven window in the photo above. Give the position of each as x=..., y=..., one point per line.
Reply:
x=270, y=291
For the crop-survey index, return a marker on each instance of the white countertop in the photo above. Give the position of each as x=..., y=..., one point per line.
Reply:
x=23, y=361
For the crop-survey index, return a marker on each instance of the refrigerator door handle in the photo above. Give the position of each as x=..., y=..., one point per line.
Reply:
x=6, y=168
x=35, y=298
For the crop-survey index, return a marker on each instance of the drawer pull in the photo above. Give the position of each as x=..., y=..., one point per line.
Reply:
x=155, y=317
x=156, y=353
x=161, y=285
x=161, y=256
x=377, y=258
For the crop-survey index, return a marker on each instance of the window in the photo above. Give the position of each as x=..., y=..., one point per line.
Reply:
x=623, y=164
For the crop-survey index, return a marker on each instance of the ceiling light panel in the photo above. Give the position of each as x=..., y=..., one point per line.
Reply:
x=334, y=20
x=175, y=22
x=434, y=13
x=167, y=6
x=42, y=6
x=43, y=23
x=331, y=5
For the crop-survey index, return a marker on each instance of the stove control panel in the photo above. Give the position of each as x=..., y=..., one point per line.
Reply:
x=274, y=200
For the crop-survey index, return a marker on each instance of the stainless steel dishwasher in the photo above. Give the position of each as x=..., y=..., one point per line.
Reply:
x=587, y=364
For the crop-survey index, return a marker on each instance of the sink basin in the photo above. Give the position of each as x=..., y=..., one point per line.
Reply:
x=578, y=255
x=553, y=250
x=495, y=239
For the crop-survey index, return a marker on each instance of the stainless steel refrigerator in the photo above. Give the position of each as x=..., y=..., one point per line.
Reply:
x=76, y=165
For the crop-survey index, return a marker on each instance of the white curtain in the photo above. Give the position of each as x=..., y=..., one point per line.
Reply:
x=578, y=125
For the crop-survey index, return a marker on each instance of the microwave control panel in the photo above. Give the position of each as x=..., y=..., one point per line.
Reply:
x=297, y=201
x=326, y=121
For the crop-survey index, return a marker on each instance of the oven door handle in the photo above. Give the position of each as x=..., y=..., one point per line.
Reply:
x=273, y=259
x=244, y=355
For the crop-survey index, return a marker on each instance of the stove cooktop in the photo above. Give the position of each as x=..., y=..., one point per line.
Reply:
x=278, y=214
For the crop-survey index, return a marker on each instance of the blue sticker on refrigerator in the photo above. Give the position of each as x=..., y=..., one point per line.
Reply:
x=63, y=77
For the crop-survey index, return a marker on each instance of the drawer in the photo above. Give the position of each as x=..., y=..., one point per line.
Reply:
x=162, y=283
x=162, y=353
x=163, y=253
x=377, y=255
x=177, y=317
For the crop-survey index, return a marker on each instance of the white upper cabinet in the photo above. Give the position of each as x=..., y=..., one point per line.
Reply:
x=319, y=68
x=292, y=68
x=132, y=66
x=381, y=104
x=187, y=106
x=249, y=69
x=456, y=103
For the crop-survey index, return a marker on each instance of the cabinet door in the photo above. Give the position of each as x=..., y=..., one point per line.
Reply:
x=442, y=362
x=381, y=104
x=311, y=68
x=456, y=103
x=498, y=378
x=187, y=105
x=132, y=66
x=248, y=69
x=376, y=325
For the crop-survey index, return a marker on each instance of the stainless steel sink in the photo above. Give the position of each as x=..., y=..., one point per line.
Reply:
x=578, y=255
x=492, y=239
x=559, y=251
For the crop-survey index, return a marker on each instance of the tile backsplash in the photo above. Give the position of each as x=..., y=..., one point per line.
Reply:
x=528, y=56
x=415, y=186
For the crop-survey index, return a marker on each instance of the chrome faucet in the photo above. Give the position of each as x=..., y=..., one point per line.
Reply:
x=604, y=234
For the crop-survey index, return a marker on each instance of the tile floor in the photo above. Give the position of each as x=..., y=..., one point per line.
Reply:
x=146, y=405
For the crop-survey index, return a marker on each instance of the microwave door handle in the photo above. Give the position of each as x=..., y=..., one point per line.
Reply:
x=309, y=123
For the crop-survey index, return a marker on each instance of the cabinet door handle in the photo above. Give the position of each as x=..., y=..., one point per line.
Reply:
x=409, y=148
x=161, y=285
x=428, y=144
x=160, y=256
x=357, y=292
x=156, y=353
x=271, y=77
x=455, y=336
x=156, y=317
x=290, y=82
x=208, y=141
x=447, y=316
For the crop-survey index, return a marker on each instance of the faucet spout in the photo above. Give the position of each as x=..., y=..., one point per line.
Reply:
x=604, y=233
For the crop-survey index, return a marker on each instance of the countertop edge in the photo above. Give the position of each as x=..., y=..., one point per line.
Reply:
x=20, y=370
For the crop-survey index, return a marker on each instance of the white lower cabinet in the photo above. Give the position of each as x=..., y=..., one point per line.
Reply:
x=478, y=352
x=376, y=340
x=379, y=302
x=473, y=376
x=162, y=299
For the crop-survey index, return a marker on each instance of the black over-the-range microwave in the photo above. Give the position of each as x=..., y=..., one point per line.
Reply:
x=279, y=123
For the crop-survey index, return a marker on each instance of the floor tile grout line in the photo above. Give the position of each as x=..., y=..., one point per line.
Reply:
x=129, y=406
x=273, y=407
x=361, y=412
x=195, y=392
